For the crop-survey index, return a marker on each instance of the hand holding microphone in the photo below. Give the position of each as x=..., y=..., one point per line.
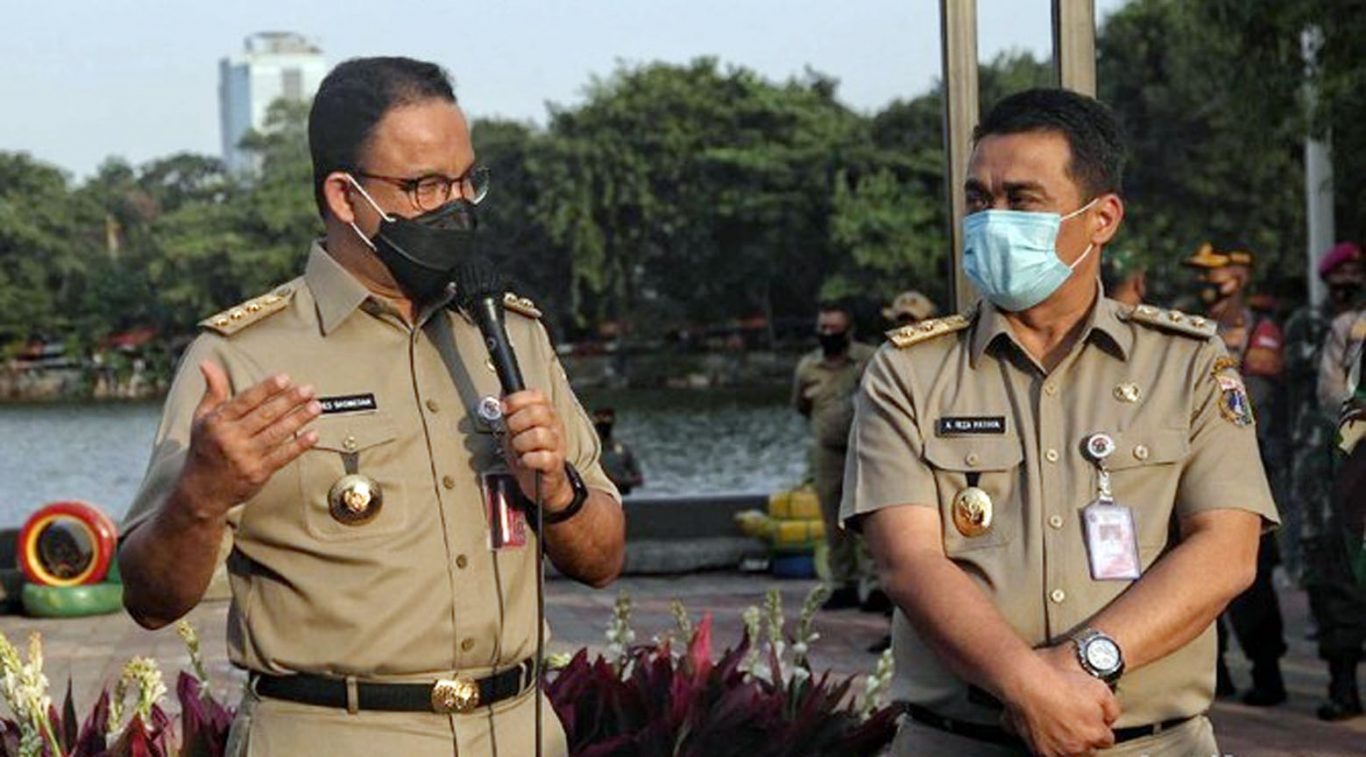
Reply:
x=535, y=438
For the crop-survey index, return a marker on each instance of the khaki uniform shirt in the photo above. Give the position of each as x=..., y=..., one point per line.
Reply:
x=826, y=391
x=1153, y=383
x=416, y=593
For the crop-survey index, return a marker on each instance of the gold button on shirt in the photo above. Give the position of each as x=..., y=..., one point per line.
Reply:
x=1182, y=456
x=415, y=593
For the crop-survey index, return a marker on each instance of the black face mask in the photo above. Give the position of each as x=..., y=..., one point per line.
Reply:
x=1211, y=293
x=1344, y=295
x=423, y=252
x=834, y=344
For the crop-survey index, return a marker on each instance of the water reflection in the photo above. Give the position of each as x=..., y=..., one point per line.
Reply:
x=689, y=442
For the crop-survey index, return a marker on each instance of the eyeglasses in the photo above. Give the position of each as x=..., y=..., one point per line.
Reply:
x=434, y=190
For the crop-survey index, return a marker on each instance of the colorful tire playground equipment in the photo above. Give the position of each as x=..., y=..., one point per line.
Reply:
x=794, y=530
x=65, y=554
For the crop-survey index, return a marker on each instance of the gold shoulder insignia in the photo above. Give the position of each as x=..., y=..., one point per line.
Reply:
x=918, y=332
x=236, y=318
x=1175, y=321
x=521, y=305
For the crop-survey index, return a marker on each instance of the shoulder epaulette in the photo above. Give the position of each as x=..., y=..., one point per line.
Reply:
x=918, y=332
x=236, y=318
x=1175, y=321
x=521, y=305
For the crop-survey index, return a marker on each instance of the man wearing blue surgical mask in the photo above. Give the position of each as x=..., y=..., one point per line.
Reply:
x=1061, y=492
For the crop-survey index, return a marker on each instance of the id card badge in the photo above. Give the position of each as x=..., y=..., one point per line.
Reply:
x=507, y=522
x=1111, y=541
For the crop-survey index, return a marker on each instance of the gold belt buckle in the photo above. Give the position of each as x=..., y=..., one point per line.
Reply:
x=455, y=695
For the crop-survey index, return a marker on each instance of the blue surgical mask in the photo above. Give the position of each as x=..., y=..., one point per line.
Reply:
x=1011, y=255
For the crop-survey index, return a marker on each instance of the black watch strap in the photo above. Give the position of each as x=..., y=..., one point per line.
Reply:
x=575, y=505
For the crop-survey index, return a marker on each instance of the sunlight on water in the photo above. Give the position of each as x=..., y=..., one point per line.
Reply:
x=689, y=442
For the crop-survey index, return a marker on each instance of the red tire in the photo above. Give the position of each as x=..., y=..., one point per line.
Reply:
x=58, y=559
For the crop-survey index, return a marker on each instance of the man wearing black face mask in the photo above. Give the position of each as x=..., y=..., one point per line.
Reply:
x=618, y=461
x=347, y=433
x=823, y=392
x=1255, y=342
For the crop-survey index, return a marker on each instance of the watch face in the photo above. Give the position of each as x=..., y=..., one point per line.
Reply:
x=1103, y=654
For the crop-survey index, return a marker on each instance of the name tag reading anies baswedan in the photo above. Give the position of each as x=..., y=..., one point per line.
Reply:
x=351, y=403
x=982, y=424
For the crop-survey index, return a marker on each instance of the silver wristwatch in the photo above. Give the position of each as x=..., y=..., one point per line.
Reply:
x=1099, y=655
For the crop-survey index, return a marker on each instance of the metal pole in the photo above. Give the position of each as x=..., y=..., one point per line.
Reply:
x=958, y=40
x=1074, y=45
x=1318, y=176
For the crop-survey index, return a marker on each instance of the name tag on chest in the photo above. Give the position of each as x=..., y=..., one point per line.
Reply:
x=974, y=424
x=351, y=403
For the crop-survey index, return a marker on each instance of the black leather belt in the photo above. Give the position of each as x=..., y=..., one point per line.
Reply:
x=444, y=696
x=998, y=735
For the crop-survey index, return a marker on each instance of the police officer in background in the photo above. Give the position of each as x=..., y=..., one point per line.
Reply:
x=823, y=389
x=618, y=461
x=1061, y=493
x=383, y=572
x=909, y=307
x=1255, y=341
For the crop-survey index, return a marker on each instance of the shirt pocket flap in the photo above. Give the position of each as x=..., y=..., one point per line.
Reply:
x=973, y=453
x=353, y=433
x=1156, y=446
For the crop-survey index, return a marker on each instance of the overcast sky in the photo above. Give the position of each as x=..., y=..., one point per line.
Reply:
x=86, y=79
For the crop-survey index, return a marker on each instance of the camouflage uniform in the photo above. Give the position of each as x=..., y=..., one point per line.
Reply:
x=1311, y=436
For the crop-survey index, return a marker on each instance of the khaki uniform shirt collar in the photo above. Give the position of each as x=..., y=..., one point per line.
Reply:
x=1104, y=323
x=336, y=291
x=339, y=294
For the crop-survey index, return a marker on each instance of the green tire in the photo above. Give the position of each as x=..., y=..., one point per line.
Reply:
x=72, y=601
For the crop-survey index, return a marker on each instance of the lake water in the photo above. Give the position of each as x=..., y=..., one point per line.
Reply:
x=689, y=442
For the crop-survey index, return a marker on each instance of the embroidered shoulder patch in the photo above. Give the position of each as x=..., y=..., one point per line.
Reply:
x=1234, y=404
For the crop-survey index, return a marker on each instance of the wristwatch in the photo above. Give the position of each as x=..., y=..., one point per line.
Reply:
x=1099, y=655
x=575, y=504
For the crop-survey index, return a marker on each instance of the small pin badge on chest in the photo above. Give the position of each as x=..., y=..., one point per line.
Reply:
x=1128, y=392
x=1099, y=447
x=355, y=499
x=489, y=411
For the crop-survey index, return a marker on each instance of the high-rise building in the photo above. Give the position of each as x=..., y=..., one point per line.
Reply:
x=271, y=66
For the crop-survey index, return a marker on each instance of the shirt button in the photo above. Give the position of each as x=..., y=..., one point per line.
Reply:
x=972, y=459
x=1057, y=595
x=1141, y=452
x=448, y=482
x=349, y=443
x=1050, y=389
x=467, y=645
x=1051, y=455
x=461, y=562
x=1055, y=521
x=433, y=406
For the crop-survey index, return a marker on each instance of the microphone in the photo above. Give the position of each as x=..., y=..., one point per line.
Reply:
x=480, y=290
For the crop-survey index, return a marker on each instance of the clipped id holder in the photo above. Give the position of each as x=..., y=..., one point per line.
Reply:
x=507, y=521
x=1111, y=538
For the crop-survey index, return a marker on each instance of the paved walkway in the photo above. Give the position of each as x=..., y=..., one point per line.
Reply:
x=92, y=651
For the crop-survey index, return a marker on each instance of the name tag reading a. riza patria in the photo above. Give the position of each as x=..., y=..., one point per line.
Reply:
x=981, y=424
x=351, y=403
